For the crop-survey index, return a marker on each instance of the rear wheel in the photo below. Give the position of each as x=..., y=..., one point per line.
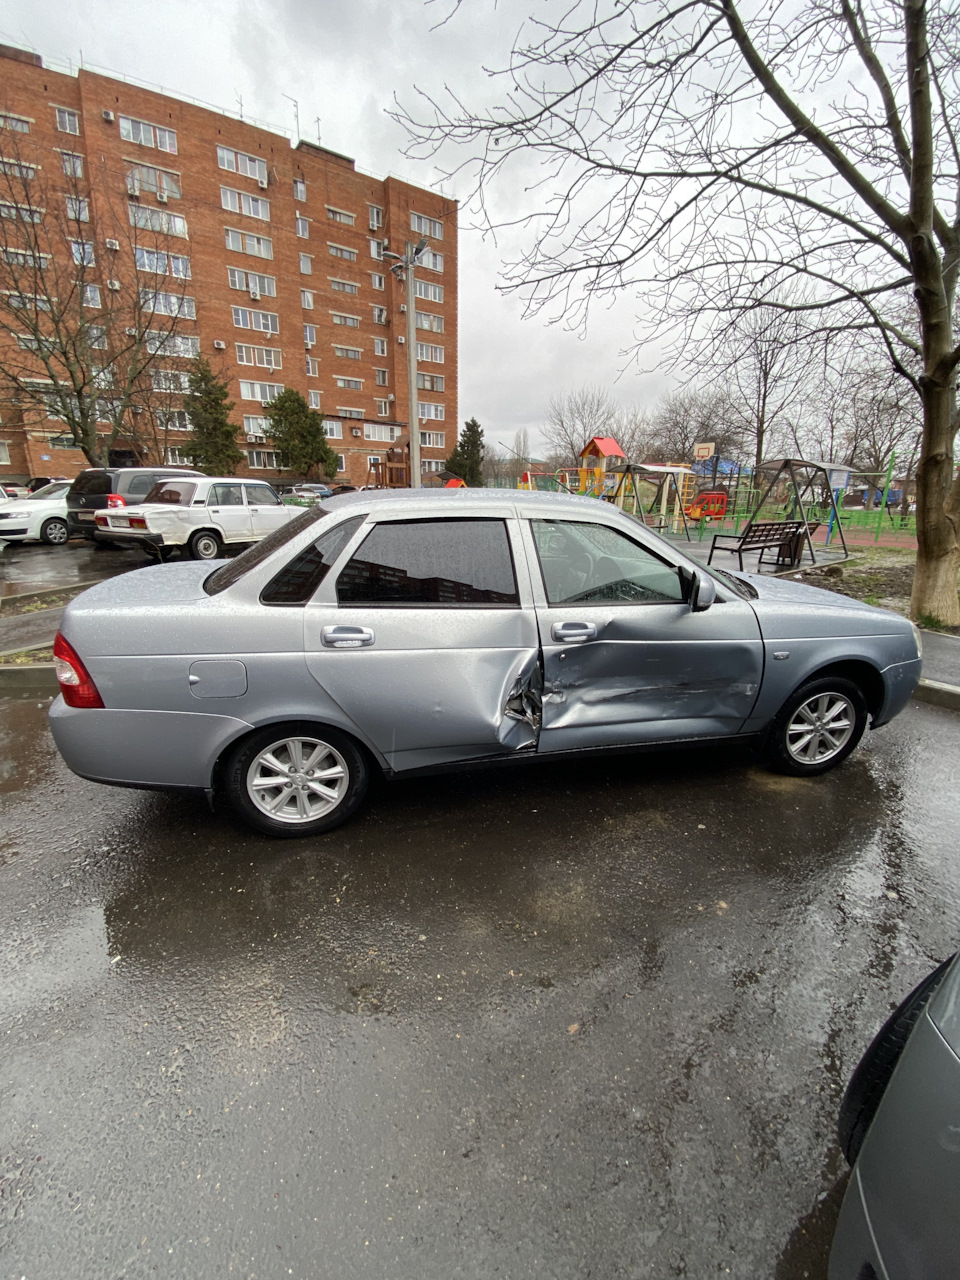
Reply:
x=296, y=780
x=54, y=531
x=206, y=545
x=817, y=727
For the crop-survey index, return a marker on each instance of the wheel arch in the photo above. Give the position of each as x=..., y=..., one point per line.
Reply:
x=298, y=721
x=858, y=671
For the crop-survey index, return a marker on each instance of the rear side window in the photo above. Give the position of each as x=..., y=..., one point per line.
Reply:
x=92, y=482
x=175, y=492
x=432, y=562
x=139, y=484
x=297, y=581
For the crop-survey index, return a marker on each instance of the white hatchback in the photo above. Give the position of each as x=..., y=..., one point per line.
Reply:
x=200, y=515
x=39, y=516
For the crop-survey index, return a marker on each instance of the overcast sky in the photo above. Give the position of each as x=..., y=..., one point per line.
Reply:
x=344, y=61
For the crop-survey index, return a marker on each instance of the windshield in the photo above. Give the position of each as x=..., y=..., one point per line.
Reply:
x=234, y=570
x=175, y=493
x=51, y=490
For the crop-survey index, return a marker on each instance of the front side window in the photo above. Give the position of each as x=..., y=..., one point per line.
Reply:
x=261, y=495
x=586, y=563
x=431, y=563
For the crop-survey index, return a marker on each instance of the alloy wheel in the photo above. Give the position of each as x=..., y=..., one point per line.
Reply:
x=297, y=780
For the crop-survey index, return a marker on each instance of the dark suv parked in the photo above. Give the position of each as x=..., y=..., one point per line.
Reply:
x=89, y=492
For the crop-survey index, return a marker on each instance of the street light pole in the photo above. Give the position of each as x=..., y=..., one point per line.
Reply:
x=405, y=266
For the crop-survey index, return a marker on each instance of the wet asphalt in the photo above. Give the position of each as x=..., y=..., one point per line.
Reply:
x=570, y=1020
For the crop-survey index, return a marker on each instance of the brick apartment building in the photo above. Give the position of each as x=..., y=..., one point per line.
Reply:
x=269, y=255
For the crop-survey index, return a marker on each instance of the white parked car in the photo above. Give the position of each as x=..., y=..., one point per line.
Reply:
x=41, y=515
x=201, y=515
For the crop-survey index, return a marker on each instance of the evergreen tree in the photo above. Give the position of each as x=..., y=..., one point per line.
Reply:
x=213, y=447
x=466, y=461
x=299, y=437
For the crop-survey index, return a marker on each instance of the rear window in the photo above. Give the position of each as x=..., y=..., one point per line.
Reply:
x=234, y=570
x=92, y=482
x=174, y=492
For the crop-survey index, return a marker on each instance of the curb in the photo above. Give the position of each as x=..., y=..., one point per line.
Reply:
x=18, y=597
x=938, y=694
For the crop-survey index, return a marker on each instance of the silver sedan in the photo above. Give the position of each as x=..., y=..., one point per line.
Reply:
x=417, y=630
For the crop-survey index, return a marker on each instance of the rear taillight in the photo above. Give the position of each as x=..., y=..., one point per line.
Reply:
x=116, y=500
x=138, y=522
x=99, y=519
x=76, y=684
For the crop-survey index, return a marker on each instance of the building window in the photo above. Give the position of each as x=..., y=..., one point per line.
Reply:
x=430, y=381
x=351, y=322
x=263, y=460
x=265, y=357
x=343, y=286
x=78, y=209
x=431, y=464
x=340, y=215
x=168, y=304
x=303, y=228
x=433, y=439
x=379, y=346
x=170, y=380
x=313, y=399
x=67, y=121
x=350, y=384
x=255, y=425
x=349, y=413
x=162, y=264
x=148, y=135
x=243, y=242
x=82, y=251
x=309, y=335
x=376, y=250
x=425, y=320
x=432, y=261
x=376, y=217
x=177, y=458
x=332, y=429
x=432, y=292
x=381, y=376
x=341, y=251
x=144, y=177
x=379, y=315
x=17, y=124
x=72, y=164
x=240, y=162
x=242, y=202
x=172, y=344
x=247, y=280
x=427, y=410
x=348, y=353
x=374, y=431
x=426, y=226
x=306, y=264
x=262, y=391
x=264, y=321
x=24, y=258
x=173, y=420
x=373, y=460
x=313, y=367
x=341, y=462
x=377, y=280
x=91, y=296
x=299, y=189
x=170, y=224
x=383, y=408
x=426, y=351
x=306, y=299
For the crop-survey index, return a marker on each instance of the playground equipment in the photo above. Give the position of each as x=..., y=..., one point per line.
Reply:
x=793, y=480
x=709, y=505
x=672, y=484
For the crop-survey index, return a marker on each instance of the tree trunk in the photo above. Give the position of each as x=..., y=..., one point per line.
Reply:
x=938, y=512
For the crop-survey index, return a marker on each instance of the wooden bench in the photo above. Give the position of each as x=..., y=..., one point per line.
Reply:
x=783, y=536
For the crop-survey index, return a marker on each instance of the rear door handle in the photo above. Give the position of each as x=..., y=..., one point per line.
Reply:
x=573, y=632
x=346, y=637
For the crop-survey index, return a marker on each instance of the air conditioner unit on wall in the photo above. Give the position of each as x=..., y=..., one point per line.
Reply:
x=263, y=183
x=357, y=431
x=161, y=197
x=219, y=346
x=251, y=439
x=133, y=185
x=401, y=339
x=113, y=284
x=112, y=244
x=254, y=293
x=109, y=117
x=403, y=306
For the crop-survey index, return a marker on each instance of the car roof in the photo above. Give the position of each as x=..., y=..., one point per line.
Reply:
x=453, y=499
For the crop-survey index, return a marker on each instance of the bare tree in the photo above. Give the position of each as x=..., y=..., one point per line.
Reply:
x=803, y=156
x=575, y=417
x=92, y=299
x=691, y=416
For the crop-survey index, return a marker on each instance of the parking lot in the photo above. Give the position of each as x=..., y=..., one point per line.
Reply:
x=568, y=1020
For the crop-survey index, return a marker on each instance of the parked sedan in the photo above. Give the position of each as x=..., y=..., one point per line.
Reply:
x=39, y=516
x=415, y=630
x=900, y=1129
x=202, y=514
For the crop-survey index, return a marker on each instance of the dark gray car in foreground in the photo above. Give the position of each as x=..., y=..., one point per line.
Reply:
x=416, y=630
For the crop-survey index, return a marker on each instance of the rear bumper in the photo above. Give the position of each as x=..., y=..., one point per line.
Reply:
x=152, y=749
x=138, y=536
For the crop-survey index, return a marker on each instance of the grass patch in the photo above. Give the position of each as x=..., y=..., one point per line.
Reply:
x=24, y=657
x=14, y=607
x=930, y=623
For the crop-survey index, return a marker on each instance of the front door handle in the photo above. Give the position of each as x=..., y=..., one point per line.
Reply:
x=573, y=632
x=346, y=637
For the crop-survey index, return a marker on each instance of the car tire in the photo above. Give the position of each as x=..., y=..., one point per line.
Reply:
x=54, y=532
x=817, y=727
x=314, y=755
x=872, y=1075
x=205, y=544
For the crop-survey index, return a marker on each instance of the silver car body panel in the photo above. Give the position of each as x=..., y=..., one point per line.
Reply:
x=437, y=685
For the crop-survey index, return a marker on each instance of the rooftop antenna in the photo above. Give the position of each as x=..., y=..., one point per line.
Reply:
x=239, y=98
x=296, y=112
x=317, y=123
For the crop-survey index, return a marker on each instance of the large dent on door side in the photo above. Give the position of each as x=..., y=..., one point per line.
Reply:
x=519, y=726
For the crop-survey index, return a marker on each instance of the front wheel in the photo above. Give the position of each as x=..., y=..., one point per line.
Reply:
x=54, y=532
x=817, y=727
x=206, y=545
x=296, y=780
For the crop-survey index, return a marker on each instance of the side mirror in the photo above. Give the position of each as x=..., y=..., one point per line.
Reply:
x=703, y=592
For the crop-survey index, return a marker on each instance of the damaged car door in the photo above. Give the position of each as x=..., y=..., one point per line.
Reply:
x=432, y=648
x=625, y=656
